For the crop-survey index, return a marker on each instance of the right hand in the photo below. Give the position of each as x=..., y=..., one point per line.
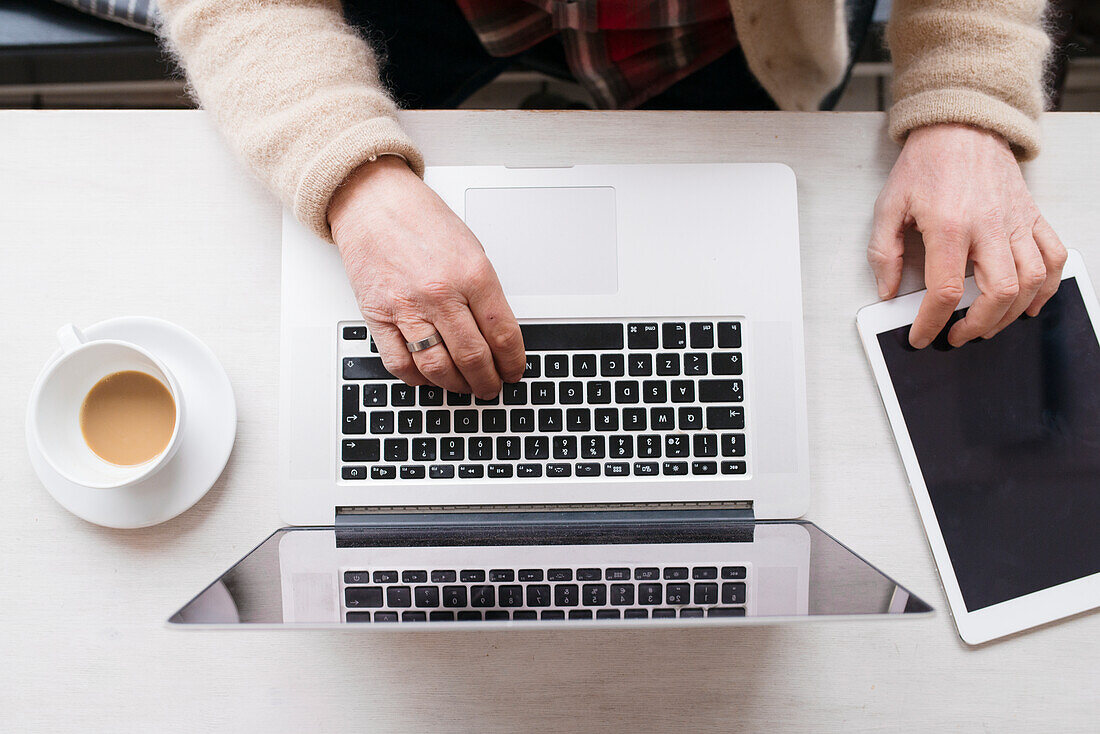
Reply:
x=416, y=269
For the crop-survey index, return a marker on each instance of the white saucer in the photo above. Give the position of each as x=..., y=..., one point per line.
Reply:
x=205, y=444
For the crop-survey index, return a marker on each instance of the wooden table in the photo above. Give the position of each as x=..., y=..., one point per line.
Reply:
x=105, y=214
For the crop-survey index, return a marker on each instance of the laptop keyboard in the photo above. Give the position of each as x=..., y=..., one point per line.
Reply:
x=517, y=594
x=638, y=399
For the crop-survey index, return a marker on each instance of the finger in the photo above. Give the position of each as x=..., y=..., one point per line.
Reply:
x=434, y=362
x=995, y=276
x=1031, y=273
x=1054, y=258
x=498, y=325
x=884, y=253
x=395, y=355
x=469, y=351
x=944, y=270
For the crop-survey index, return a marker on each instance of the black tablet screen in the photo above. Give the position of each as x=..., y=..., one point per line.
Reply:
x=1007, y=434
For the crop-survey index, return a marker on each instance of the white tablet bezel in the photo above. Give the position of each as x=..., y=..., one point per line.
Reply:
x=1009, y=616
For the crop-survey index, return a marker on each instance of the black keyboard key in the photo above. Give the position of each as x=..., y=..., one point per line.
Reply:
x=634, y=419
x=559, y=574
x=550, y=420
x=674, y=468
x=459, y=398
x=558, y=471
x=594, y=595
x=414, y=577
x=620, y=447
x=402, y=395
x=584, y=365
x=729, y=334
x=649, y=594
x=578, y=419
x=734, y=467
x=441, y=616
x=483, y=596
x=702, y=335
x=495, y=400
x=552, y=614
x=374, y=396
x=522, y=420
x=721, y=391
x=398, y=596
x=734, y=572
x=557, y=365
x=353, y=473
x=355, y=424
x=441, y=471
x=566, y=595
x=452, y=448
x=385, y=616
x=616, y=469
x=383, y=471
x=655, y=391
x=385, y=577
x=678, y=594
x=674, y=335
x=363, y=596
x=396, y=449
x=536, y=448
x=471, y=471
x=423, y=449
x=349, y=399
x=410, y=421
x=677, y=446
x=444, y=577
x=426, y=596
x=668, y=364
x=469, y=616
x=646, y=468
x=589, y=574
x=726, y=363
x=675, y=573
x=692, y=613
x=647, y=573
x=639, y=365
x=664, y=613
x=472, y=576
x=622, y=595
x=542, y=393
x=438, y=421
x=533, y=368
x=593, y=447
x=530, y=574
x=494, y=421
x=704, y=445
x=565, y=447
x=662, y=419
x=725, y=612
x=480, y=448
x=607, y=614
x=538, y=595
x=649, y=447
x=514, y=393
x=704, y=572
x=510, y=595
x=412, y=472
x=571, y=393
x=430, y=395
x=502, y=575
x=508, y=448
x=733, y=444
x=360, y=449
x=465, y=421
x=695, y=364
x=691, y=419
x=588, y=469
x=454, y=596
x=552, y=337
x=580, y=614
x=356, y=577
x=524, y=614
x=357, y=617
x=529, y=470
x=607, y=419
x=355, y=332
x=612, y=365
x=599, y=392
x=725, y=416
x=500, y=471
x=706, y=593
x=641, y=336
x=704, y=468
x=626, y=392
x=733, y=592
x=365, y=368
x=636, y=614
x=682, y=391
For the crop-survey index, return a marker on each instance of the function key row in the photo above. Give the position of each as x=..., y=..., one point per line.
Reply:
x=508, y=575
x=551, y=471
x=503, y=615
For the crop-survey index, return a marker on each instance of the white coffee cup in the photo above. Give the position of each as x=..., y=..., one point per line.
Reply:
x=57, y=397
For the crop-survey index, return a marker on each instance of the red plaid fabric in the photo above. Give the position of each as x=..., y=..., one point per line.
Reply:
x=622, y=51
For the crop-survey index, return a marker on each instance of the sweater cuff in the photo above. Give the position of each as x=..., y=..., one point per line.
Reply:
x=969, y=108
x=335, y=162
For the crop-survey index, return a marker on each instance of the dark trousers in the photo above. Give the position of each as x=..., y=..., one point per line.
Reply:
x=432, y=59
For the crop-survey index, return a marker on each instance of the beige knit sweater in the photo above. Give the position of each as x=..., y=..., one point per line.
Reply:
x=297, y=92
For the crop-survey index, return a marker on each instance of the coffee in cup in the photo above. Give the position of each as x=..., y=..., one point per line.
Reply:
x=128, y=417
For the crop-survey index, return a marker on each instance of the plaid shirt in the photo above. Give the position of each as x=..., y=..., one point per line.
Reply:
x=622, y=51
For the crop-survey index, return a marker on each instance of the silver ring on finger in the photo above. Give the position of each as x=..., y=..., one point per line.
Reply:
x=422, y=344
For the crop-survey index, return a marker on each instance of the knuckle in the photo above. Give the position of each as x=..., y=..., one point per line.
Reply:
x=1058, y=256
x=470, y=358
x=398, y=365
x=948, y=293
x=1004, y=289
x=876, y=255
x=507, y=341
x=434, y=366
x=952, y=228
x=1033, y=276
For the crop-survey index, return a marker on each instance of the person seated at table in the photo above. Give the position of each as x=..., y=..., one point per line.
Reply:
x=307, y=92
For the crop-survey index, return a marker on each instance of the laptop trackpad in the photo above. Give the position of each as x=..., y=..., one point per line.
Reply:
x=548, y=241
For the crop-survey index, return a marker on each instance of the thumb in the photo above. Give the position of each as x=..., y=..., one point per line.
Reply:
x=887, y=245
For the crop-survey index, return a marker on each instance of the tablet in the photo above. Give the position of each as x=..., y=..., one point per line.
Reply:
x=1001, y=443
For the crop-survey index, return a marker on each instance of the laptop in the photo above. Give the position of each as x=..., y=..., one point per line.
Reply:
x=649, y=469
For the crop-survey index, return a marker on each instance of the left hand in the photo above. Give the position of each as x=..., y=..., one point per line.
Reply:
x=962, y=188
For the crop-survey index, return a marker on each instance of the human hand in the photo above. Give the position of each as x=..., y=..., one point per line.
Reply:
x=416, y=269
x=962, y=188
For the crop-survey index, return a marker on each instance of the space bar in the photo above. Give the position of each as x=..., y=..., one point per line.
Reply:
x=552, y=337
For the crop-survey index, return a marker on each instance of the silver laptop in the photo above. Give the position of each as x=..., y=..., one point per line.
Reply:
x=647, y=470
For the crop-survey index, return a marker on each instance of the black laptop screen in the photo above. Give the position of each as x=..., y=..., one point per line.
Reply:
x=1007, y=434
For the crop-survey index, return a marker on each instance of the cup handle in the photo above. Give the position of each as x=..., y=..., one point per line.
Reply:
x=70, y=337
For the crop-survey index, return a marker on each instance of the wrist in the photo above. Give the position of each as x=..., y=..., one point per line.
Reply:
x=957, y=130
x=365, y=183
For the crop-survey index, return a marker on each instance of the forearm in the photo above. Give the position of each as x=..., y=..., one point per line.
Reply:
x=293, y=88
x=968, y=61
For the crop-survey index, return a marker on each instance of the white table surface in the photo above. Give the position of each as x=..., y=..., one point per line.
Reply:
x=105, y=214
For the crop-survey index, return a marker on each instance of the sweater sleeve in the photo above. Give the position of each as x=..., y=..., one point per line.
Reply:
x=978, y=62
x=293, y=88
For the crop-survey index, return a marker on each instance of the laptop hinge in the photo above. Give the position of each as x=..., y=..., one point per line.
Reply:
x=603, y=512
